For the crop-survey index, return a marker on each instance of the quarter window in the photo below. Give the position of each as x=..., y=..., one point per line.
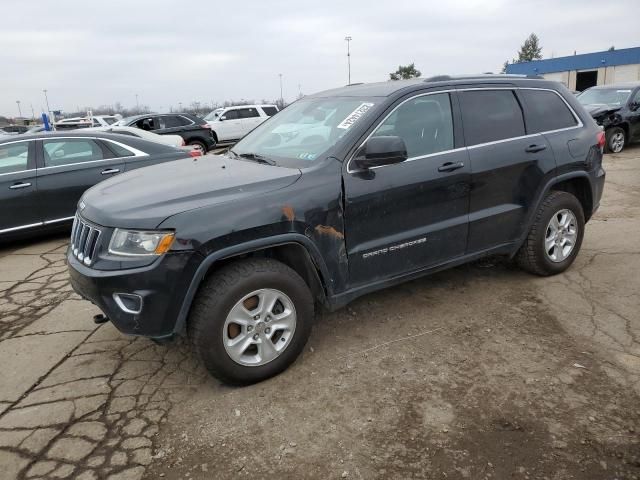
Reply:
x=490, y=115
x=14, y=157
x=69, y=151
x=546, y=111
x=424, y=123
x=119, y=150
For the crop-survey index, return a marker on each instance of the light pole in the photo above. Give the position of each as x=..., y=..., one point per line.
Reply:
x=281, y=96
x=46, y=99
x=33, y=114
x=348, y=40
x=180, y=105
x=19, y=110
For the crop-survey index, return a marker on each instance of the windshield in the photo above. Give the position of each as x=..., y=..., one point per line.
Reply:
x=213, y=115
x=303, y=131
x=604, y=96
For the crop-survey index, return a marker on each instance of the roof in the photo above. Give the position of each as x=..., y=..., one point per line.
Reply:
x=624, y=56
x=68, y=134
x=385, y=89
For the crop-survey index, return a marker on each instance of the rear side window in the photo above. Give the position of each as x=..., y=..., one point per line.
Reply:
x=14, y=157
x=68, y=151
x=248, y=112
x=147, y=123
x=545, y=111
x=490, y=115
x=269, y=111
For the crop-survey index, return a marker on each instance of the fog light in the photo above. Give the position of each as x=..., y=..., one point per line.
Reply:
x=128, y=302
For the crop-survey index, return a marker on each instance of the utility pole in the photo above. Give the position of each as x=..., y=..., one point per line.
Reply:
x=19, y=110
x=348, y=40
x=281, y=97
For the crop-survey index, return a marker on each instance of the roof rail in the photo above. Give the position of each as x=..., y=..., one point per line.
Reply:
x=444, y=78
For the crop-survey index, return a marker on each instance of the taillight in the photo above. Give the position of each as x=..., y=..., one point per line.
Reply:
x=602, y=139
x=195, y=153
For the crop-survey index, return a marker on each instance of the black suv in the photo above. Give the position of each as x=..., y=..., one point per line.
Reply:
x=617, y=109
x=342, y=193
x=194, y=130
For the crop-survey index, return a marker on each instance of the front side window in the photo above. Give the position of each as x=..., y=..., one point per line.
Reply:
x=424, y=123
x=490, y=115
x=305, y=130
x=69, y=151
x=14, y=157
x=546, y=111
x=248, y=112
x=231, y=115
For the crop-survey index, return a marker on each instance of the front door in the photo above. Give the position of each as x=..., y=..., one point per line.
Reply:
x=18, y=191
x=404, y=217
x=67, y=167
x=230, y=125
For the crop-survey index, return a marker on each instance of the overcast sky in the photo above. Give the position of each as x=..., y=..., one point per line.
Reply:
x=90, y=53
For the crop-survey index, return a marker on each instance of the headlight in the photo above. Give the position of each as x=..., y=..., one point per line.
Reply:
x=140, y=243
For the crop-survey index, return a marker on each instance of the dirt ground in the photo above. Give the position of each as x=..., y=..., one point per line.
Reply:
x=479, y=372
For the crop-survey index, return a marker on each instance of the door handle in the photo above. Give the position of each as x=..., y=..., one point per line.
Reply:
x=15, y=186
x=109, y=171
x=450, y=166
x=535, y=148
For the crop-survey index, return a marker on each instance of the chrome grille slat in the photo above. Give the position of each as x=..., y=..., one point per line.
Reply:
x=85, y=239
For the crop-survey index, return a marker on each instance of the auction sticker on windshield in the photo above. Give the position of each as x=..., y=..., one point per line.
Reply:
x=354, y=116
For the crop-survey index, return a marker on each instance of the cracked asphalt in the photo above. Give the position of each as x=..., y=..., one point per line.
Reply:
x=482, y=371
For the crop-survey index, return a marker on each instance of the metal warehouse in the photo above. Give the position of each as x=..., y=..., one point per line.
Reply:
x=579, y=72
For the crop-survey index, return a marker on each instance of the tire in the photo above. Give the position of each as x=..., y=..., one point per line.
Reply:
x=616, y=140
x=199, y=145
x=233, y=290
x=533, y=255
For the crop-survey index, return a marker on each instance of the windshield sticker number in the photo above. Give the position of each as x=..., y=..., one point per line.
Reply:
x=354, y=116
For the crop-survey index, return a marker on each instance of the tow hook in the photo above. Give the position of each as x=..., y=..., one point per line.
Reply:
x=99, y=319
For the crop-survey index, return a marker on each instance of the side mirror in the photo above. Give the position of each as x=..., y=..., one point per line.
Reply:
x=379, y=151
x=222, y=119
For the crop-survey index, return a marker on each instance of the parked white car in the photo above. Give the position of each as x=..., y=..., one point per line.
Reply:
x=83, y=122
x=230, y=124
x=171, y=140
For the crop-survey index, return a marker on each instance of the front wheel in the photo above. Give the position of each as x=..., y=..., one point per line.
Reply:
x=251, y=320
x=616, y=140
x=555, y=236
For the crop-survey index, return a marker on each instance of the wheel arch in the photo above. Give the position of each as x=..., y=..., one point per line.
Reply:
x=294, y=250
x=577, y=183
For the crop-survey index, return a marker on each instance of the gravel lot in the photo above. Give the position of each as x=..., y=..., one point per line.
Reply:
x=478, y=372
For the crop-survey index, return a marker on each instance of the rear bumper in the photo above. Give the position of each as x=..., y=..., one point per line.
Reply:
x=161, y=288
x=598, y=188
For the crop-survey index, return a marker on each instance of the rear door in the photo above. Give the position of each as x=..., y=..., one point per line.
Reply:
x=66, y=168
x=18, y=193
x=508, y=166
x=634, y=115
x=251, y=118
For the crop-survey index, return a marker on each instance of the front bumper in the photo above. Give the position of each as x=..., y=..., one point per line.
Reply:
x=162, y=286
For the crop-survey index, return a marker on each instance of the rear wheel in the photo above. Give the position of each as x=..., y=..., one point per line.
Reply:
x=251, y=320
x=616, y=140
x=555, y=236
x=199, y=146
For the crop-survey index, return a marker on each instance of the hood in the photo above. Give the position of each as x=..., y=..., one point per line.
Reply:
x=598, y=109
x=144, y=197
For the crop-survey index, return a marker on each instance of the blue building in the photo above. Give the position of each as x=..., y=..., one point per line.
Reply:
x=579, y=72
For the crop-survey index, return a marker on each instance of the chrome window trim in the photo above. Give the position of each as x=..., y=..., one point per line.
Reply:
x=21, y=227
x=137, y=153
x=444, y=152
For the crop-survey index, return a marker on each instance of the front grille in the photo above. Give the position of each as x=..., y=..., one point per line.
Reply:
x=85, y=239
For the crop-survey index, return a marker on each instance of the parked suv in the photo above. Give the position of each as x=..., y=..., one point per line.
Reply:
x=194, y=130
x=617, y=109
x=367, y=186
x=230, y=124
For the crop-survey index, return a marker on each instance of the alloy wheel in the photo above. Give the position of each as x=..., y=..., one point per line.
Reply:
x=561, y=235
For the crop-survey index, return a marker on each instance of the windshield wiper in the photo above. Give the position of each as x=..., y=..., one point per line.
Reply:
x=257, y=158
